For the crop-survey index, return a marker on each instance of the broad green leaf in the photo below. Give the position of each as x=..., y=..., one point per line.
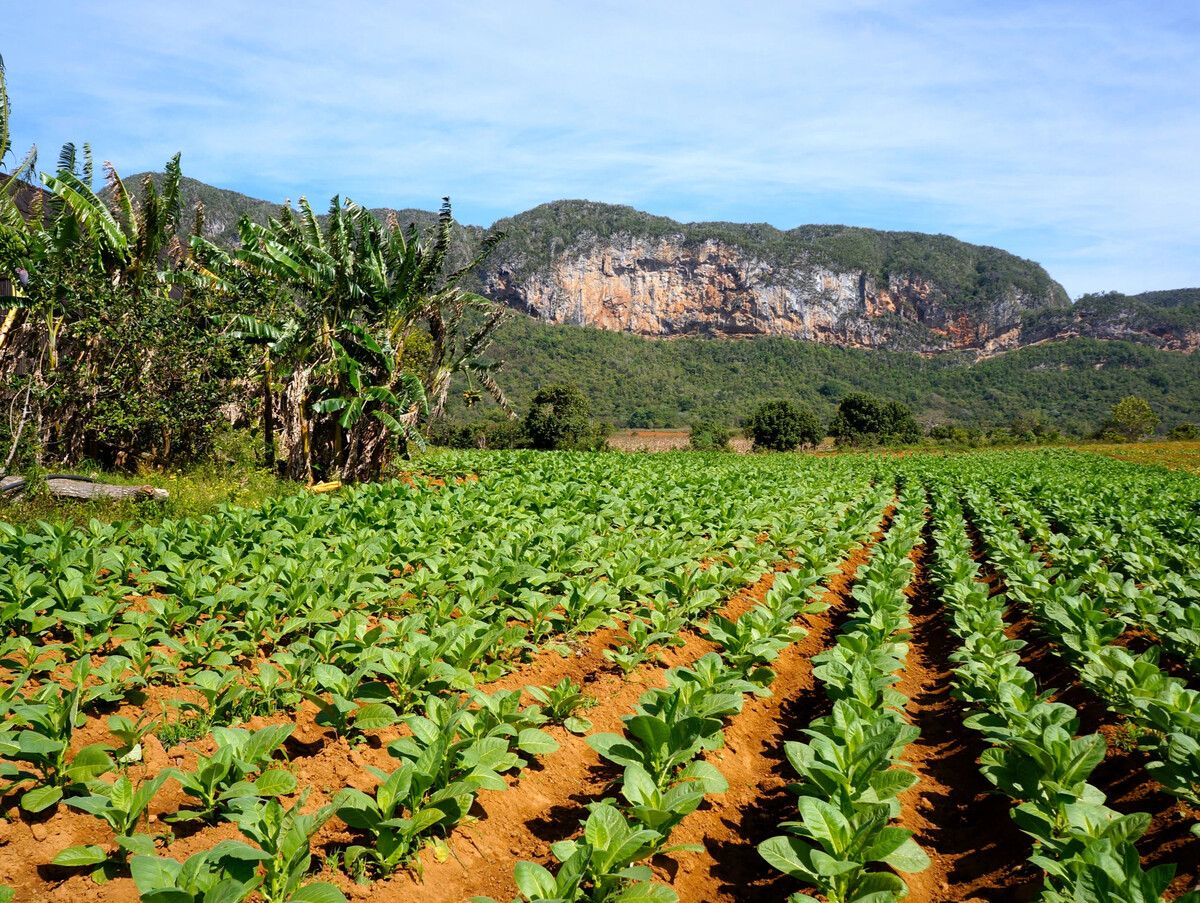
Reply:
x=275, y=782
x=318, y=892
x=908, y=857
x=534, y=881
x=40, y=798
x=77, y=857
x=374, y=716
x=536, y=742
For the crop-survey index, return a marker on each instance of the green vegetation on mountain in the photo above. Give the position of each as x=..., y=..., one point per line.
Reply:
x=966, y=273
x=1071, y=385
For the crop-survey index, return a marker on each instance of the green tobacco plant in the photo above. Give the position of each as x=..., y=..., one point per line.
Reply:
x=224, y=874
x=562, y=701
x=223, y=698
x=130, y=735
x=284, y=836
x=661, y=810
x=40, y=739
x=122, y=805
x=597, y=868
x=341, y=710
x=405, y=806
x=829, y=850
x=227, y=774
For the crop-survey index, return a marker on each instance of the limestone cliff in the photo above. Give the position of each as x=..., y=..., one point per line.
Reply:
x=670, y=285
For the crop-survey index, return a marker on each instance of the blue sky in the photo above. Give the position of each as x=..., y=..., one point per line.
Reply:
x=1068, y=133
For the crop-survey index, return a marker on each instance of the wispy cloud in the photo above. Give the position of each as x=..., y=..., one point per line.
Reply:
x=1064, y=132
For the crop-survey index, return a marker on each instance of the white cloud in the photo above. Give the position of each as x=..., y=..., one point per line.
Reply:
x=1065, y=132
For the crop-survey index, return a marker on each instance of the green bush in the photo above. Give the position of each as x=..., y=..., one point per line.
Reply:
x=558, y=418
x=863, y=419
x=783, y=426
x=709, y=434
x=1184, y=432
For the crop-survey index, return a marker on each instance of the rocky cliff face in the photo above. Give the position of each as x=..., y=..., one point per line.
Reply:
x=667, y=287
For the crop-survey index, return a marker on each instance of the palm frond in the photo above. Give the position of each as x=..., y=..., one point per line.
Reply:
x=91, y=213
x=484, y=373
x=120, y=198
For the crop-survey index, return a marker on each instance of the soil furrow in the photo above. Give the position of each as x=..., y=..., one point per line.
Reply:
x=952, y=797
x=1122, y=776
x=730, y=825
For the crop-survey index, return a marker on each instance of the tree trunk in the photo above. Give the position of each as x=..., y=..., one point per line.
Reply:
x=86, y=490
x=268, y=414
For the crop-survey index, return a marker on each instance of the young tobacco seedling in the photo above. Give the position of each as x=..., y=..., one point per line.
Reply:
x=829, y=850
x=224, y=874
x=284, y=836
x=660, y=810
x=130, y=734
x=41, y=739
x=223, y=697
x=402, y=810
x=122, y=806
x=597, y=868
x=341, y=711
x=656, y=745
x=225, y=775
x=562, y=701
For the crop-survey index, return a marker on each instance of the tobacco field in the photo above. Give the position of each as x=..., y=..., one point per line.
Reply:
x=636, y=678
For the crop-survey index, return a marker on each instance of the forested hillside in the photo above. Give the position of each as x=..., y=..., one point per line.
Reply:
x=1071, y=384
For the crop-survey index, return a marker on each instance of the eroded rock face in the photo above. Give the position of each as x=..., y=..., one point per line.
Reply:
x=661, y=287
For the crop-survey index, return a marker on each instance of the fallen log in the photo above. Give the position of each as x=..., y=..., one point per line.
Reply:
x=70, y=486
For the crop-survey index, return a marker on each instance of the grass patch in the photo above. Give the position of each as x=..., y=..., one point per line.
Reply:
x=193, y=492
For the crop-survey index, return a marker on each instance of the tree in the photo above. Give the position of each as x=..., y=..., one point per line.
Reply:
x=863, y=419
x=1133, y=417
x=361, y=292
x=709, y=434
x=102, y=290
x=859, y=419
x=900, y=424
x=782, y=426
x=558, y=417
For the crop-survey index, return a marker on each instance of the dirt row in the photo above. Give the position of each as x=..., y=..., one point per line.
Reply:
x=510, y=825
x=1122, y=776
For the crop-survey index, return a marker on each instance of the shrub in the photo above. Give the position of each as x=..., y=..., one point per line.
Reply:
x=709, y=434
x=863, y=419
x=1133, y=418
x=1184, y=431
x=558, y=416
x=782, y=426
x=558, y=419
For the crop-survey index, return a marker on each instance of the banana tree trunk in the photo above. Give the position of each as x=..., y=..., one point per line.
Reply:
x=297, y=445
x=438, y=391
x=268, y=414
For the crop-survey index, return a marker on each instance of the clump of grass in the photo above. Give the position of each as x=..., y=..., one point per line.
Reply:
x=182, y=730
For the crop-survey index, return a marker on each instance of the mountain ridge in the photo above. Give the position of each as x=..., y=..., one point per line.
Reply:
x=587, y=263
